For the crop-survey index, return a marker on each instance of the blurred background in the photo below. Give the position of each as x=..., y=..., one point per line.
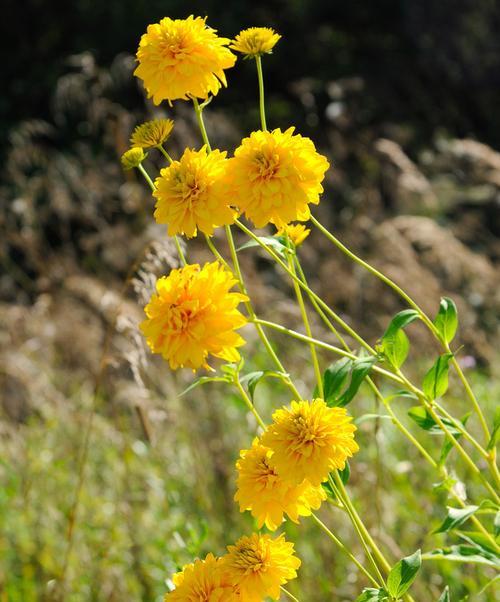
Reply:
x=103, y=496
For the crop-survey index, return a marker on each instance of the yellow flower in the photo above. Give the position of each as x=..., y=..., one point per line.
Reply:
x=132, y=158
x=309, y=440
x=268, y=497
x=152, y=133
x=259, y=565
x=297, y=233
x=193, y=193
x=179, y=58
x=255, y=41
x=203, y=581
x=193, y=314
x=275, y=176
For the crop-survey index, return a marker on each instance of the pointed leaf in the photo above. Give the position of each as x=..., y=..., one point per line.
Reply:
x=435, y=382
x=335, y=377
x=253, y=379
x=496, y=430
x=445, y=596
x=403, y=574
x=421, y=416
x=400, y=320
x=463, y=553
x=395, y=348
x=448, y=445
x=345, y=473
x=203, y=380
x=446, y=320
x=455, y=518
x=360, y=369
x=270, y=241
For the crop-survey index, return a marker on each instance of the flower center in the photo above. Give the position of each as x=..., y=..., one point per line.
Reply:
x=179, y=317
x=305, y=431
x=267, y=165
x=250, y=559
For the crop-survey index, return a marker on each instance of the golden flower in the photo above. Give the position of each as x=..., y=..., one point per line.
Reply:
x=275, y=176
x=179, y=58
x=268, y=497
x=193, y=314
x=193, y=194
x=255, y=41
x=309, y=440
x=297, y=233
x=151, y=134
x=132, y=158
x=259, y=565
x=203, y=581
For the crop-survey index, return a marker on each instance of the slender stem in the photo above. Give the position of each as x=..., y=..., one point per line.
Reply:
x=164, y=153
x=294, y=277
x=346, y=551
x=459, y=426
x=258, y=62
x=307, y=326
x=153, y=188
x=249, y=403
x=201, y=124
x=302, y=337
x=427, y=321
x=289, y=594
x=253, y=316
x=215, y=251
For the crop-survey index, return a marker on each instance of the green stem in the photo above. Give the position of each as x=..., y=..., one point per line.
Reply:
x=258, y=62
x=289, y=594
x=164, y=153
x=253, y=316
x=201, y=124
x=459, y=426
x=216, y=253
x=153, y=188
x=307, y=326
x=423, y=316
x=249, y=403
x=347, y=552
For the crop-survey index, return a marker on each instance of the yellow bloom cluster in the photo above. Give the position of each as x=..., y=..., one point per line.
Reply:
x=151, y=134
x=192, y=193
x=297, y=233
x=255, y=41
x=309, y=440
x=193, y=314
x=182, y=58
x=275, y=176
x=255, y=567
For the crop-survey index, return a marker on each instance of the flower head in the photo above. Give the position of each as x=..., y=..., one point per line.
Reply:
x=193, y=314
x=255, y=41
x=132, y=158
x=275, y=176
x=297, y=233
x=309, y=440
x=268, y=497
x=192, y=193
x=152, y=133
x=179, y=58
x=260, y=565
x=203, y=581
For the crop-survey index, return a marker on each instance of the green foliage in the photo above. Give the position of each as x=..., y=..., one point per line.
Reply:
x=370, y=594
x=336, y=377
x=394, y=345
x=435, y=383
x=403, y=574
x=446, y=320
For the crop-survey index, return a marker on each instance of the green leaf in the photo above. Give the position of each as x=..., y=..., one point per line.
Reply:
x=203, y=380
x=400, y=320
x=335, y=377
x=476, y=538
x=448, y=445
x=421, y=416
x=270, y=241
x=497, y=524
x=394, y=345
x=366, y=417
x=463, y=553
x=403, y=574
x=370, y=594
x=435, y=382
x=445, y=596
x=253, y=379
x=446, y=320
x=496, y=430
x=455, y=518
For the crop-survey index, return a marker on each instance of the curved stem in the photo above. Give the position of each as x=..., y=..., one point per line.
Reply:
x=289, y=594
x=346, y=551
x=307, y=326
x=216, y=253
x=249, y=403
x=253, y=316
x=164, y=153
x=459, y=426
x=427, y=321
x=201, y=124
x=262, y=108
